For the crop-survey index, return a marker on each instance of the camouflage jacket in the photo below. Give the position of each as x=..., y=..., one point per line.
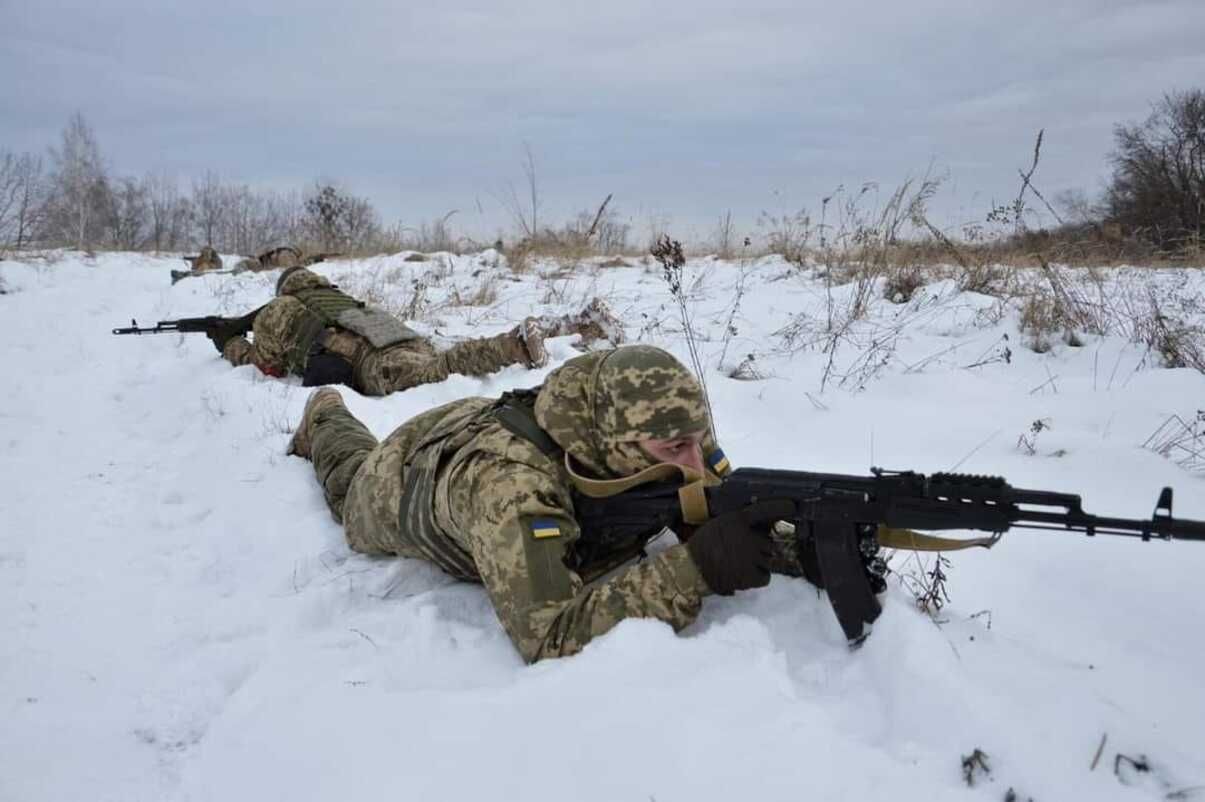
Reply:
x=309, y=308
x=488, y=505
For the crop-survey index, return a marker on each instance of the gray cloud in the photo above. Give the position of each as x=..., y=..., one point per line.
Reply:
x=681, y=109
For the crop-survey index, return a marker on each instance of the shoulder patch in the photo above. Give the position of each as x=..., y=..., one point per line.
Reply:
x=548, y=578
x=544, y=527
x=718, y=462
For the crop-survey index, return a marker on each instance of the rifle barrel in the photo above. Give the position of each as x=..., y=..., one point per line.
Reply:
x=162, y=327
x=1157, y=527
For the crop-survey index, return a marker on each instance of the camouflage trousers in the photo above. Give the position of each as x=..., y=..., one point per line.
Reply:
x=409, y=364
x=362, y=479
x=339, y=443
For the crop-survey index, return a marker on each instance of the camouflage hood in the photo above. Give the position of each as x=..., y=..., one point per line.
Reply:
x=295, y=279
x=598, y=406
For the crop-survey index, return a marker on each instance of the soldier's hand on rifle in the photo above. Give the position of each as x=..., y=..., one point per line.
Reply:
x=734, y=551
x=223, y=332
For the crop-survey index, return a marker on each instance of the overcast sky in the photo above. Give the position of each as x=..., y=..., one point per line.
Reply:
x=681, y=109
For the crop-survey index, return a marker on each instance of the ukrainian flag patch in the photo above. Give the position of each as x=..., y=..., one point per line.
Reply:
x=545, y=527
x=718, y=462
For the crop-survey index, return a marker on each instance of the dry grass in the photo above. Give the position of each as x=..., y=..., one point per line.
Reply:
x=1070, y=303
x=1181, y=441
x=485, y=293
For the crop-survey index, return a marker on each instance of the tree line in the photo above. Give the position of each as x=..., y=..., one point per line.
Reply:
x=1157, y=191
x=68, y=198
x=1156, y=195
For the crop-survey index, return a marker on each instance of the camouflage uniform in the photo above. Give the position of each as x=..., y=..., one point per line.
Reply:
x=456, y=487
x=208, y=259
x=248, y=263
x=284, y=256
x=283, y=326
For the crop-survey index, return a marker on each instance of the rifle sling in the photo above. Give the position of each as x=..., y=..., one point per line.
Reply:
x=908, y=540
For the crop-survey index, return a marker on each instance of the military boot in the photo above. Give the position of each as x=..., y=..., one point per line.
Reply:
x=320, y=399
x=530, y=336
x=596, y=322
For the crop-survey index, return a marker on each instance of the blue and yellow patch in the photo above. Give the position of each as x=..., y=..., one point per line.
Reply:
x=718, y=462
x=545, y=527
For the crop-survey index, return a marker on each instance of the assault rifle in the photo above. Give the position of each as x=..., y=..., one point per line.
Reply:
x=842, y=521
x=177, y=275
x=232, y=326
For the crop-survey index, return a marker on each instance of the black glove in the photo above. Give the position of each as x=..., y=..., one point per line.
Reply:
x=223, y=332
x=325, y=367
x=734, y=551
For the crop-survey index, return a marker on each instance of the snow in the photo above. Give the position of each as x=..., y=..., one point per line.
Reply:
x=181, y=620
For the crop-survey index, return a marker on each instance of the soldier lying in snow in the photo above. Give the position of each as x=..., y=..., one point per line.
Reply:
x=314, y=330
x=206, y=260
x=484, y=489
x=276, y=258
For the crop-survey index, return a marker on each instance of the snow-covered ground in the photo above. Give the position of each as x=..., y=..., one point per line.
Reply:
x=180, y=617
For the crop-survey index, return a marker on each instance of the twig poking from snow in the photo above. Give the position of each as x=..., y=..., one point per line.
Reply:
x=1180, y=442
x=1045, y=383
x=975, y=450
x=917, y=366
x=1027, y=181
x=1140, y=765
x=1002, y=354
x=1100, y=750
x=974, y=767
x=730, y=325
x=816, y=403
x=1052, y=378
x=1116, y=365
x=365, y=637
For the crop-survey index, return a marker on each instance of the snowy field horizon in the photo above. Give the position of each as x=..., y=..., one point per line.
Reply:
x=180, y=618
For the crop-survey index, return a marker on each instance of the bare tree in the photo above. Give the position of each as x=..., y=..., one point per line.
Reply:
x=325, y=208
x=339, y=221
x=242, y=219
x=284, y=218
x=10, y=191
x=166, y=212
x=612, y=234
x=79, y=192
x=724, y=233
x=31, y=199
x=1078, y=208
x=128, y=214
x=363, y=224
x=1158, y=184
x=209, y=208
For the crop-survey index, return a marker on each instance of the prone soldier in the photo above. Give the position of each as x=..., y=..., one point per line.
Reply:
x=314, y=330
x=207, y=259
x=485, y=488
